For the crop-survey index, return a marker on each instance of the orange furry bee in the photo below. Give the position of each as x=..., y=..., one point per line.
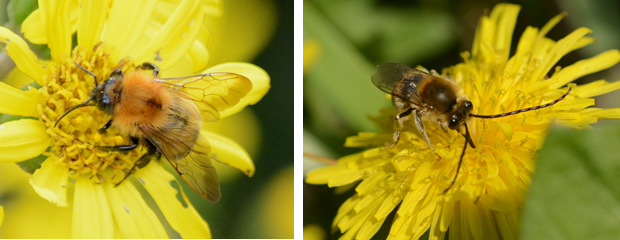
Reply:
x=165, y=115
x=430, y=97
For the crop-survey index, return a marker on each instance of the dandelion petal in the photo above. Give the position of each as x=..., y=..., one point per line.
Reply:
x=21, y=54
x=23, y=103
x=260, y=84
x=92, y=217
x=22, y=140
x=92, y=19
x=229, y=152
x=185, y=220
x=132, y=215
x=50, y=182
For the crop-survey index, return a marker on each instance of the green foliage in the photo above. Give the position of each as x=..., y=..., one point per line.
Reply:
x=575, y=192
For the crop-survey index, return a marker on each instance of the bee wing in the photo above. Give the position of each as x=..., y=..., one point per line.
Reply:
x=212, y=92
x=194, y=168
x=198, y=172
x=398, y=80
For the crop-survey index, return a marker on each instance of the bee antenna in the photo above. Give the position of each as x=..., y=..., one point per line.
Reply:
x=458, y=167
x=89, y=72
x=523, y=110
x=84, y=104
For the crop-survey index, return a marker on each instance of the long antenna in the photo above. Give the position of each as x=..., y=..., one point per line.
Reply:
x=458, y=167
x=81, y=104
x=523, y=110
x=84, y=104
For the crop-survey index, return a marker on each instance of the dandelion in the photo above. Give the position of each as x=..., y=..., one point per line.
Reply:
x=486, y=200
x=109, y=35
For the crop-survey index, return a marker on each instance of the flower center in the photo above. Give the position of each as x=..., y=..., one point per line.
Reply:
x=78, y=139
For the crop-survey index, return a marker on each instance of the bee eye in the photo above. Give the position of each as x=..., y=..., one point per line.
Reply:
x=468, y=104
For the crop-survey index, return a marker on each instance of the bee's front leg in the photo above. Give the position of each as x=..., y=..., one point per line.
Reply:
x=420, y=126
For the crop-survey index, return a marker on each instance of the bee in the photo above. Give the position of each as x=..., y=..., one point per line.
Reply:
x=429, y=97
x=164, y=114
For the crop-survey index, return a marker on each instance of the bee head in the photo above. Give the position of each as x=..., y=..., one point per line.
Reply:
x=102, y=93
x=460, y=114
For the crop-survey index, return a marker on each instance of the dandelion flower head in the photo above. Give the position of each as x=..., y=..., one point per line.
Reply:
x=110, y=35
x=486, y=199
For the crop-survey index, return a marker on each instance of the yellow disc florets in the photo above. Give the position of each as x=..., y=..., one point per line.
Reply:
x=78, y=140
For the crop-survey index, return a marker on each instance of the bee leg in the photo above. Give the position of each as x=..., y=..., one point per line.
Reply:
x=142, y=162
x=400, y=119
x=150, y=66
x=105, y=127
x=420, y=126
x=123, y=148
x=443, y=126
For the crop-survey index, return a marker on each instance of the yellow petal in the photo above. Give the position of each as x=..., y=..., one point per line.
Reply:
x=212, y=7
x=133, y=217
x=20, y=53
x=260, y=83
x=55, y=15
x=558, y=50
x=126, y=23
x=92, y=217
x=334, y=176
x=584, y=67
x=50, y=182
x=244, y=28
x=22, y=140
x=33, y=28
x=17, y=79
x=181, y=216
x=17, y=102
x=1, y=215
x=93, y=16
x=229, y=152
x=175, y=37
x=506, y=18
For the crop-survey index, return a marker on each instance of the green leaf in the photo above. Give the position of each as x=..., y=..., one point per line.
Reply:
x=338, y=87
x=21, y=9
x=32, y=164
x=393, y=33
x=575, y=192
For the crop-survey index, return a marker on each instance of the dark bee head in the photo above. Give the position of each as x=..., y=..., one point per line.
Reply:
x=101, y=93
x=107, y=94
x=460, y=114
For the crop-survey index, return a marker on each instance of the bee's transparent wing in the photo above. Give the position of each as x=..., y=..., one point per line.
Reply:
x=212, y=92
x=398, y=80
x=195, y=167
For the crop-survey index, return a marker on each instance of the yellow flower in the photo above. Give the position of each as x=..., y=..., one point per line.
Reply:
x=486, y=200
x=109, y=35
x=311, y=50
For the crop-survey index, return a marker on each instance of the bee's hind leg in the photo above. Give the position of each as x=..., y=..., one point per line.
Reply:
x=123, y=148
x=142, y=162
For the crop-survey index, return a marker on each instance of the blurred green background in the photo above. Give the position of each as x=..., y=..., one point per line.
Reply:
x=346, y=39
x=257, y=207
